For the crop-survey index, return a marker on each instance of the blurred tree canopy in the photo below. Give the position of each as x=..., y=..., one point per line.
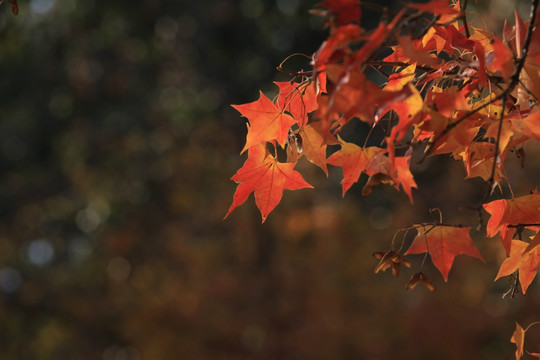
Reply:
x=116, y=144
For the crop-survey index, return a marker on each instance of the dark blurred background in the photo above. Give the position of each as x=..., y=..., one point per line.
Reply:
x=117, y=143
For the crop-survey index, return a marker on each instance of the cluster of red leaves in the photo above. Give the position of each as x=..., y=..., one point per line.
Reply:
x=451, y=89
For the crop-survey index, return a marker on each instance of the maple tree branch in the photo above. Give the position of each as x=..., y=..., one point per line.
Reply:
x=436, y=223
x=521, y=61
x=399, y=63
x=514, y=81
x=522, y=225
x=436, y=139
x=464, y=18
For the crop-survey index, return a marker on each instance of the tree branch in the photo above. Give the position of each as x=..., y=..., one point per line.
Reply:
x=514, y=81
x=464, y=18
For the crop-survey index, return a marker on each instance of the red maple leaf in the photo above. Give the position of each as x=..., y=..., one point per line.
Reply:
x=339, y=40
x=267, y=122
x=444, y=243
x=263, y=175
x=345, y=10
x=437, y=7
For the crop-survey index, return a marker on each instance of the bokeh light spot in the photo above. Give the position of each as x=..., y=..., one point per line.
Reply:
x=87, y=220
x=40, y=252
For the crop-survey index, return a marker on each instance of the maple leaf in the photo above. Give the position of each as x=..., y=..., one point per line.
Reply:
x=535, y=241
x=267, y=122
x=520, y=33
x=407, y=106
x=314, y=145
x=505, y=135
x=263, y=175
x=345, y=10
x=403, y=175
x=437, y=7
x=500, y=58
x=354, y=160
x=353, y=95
x=375, y=40
x=398, y=80
x=478, y=160
x=339, y=40
x=528, y=263
x=412, y=50
x=459, y=142
x=532, y=125
x=504, y=212
x=298, y=99
x=444, y=243
x=518, y=338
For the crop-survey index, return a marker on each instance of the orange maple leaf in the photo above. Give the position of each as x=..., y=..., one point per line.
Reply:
x=504, y=212
x=403, y=175
x=298, y=99
x=314, y=145
x=354, y=95
x=412, y=50
x=532, y=125
x=263, y=175
x=354, y=160
x=478, y=160
x=267, y=122
x=500, y=59
x=444, y=243
x=518, y=338
x=528, y=263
